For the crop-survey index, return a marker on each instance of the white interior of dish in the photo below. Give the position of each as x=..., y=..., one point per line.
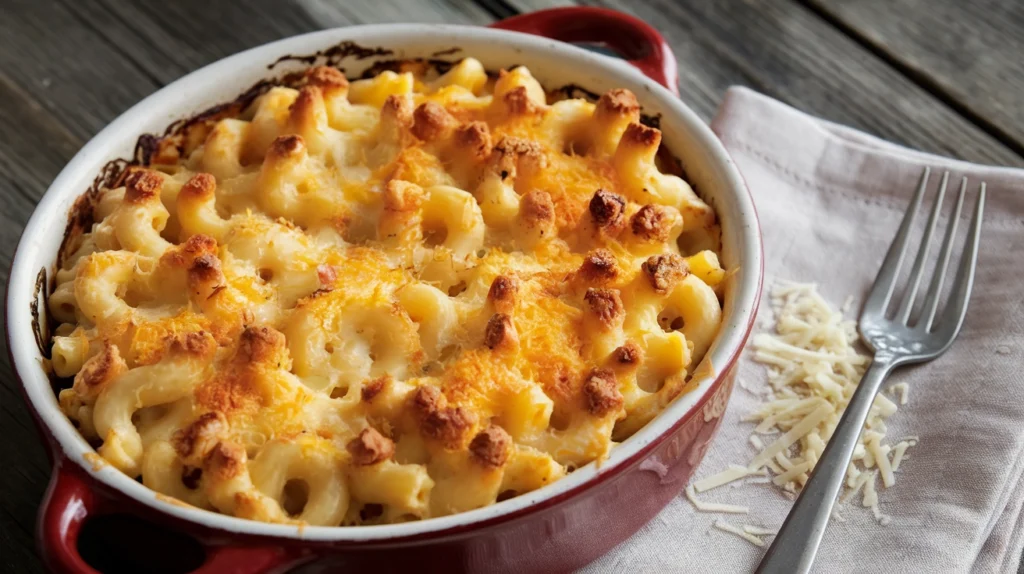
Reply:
x=554, y=64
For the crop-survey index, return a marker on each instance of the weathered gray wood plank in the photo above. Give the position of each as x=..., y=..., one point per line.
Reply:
x=83, y=82
x=967, y=53
x=171, y=39
x=37, y=148
x=26, y=473
x=789, y=53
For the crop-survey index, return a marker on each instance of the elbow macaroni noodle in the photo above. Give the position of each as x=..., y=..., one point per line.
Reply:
x=386, y=300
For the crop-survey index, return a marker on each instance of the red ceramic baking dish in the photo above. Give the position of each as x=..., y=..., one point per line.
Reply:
x=556, y=528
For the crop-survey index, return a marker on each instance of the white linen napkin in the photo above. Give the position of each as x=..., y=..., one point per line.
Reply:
x=830, y=200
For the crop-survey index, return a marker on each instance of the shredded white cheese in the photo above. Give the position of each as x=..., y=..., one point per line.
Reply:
x=758, y=531
x=900, y=390
x=881, y=455
x=898, y=453
x=798, y=473
x=794, y=434
x=813, y=369
x=726, y=527
x=713, y=506
x=734, y=472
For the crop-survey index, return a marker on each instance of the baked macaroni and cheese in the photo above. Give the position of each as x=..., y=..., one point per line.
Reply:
x=388, y=299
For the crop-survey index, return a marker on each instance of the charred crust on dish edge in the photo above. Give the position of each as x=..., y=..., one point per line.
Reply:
x=40, y=328
x=449, y=52
x=334, y=55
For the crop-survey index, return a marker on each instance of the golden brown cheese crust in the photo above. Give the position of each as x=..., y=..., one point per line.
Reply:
x=284, y=147
x=607, y=209
x=664, y=271
x=414, y=274
x=606, y=305
x=196, y=344
x=601, y=392
x=397, y=111
x=474, y=139
x=370, y=447
x=142, y=185
x=652, y=223
x=432, y=122
x=98, y=371
x=500, y=333
x=502, y=293
x=599, y=267
x=536, y=208
x=225, y=461
x=629, y=354
x=518, y=102
x=329, y=80
x=437, y=420
x=491, y=447
x=640, y=136
x=196, y=441
x=618, y=102
x=373, y=388
x=259, y=344
x=514, y=154
x=199, y=186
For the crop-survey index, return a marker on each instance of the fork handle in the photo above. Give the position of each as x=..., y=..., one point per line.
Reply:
x=797, y=542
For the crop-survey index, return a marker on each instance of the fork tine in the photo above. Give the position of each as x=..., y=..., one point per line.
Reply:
x=931, y=300
x=903, y=314
x=881, y=291
x=956, y=308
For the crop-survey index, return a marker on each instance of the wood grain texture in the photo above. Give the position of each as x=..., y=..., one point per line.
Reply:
x=67, y=68
x=968, y=54
x=83, y=83
x=172, y=39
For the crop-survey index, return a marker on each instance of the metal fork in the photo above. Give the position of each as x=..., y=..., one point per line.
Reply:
x=896, y=342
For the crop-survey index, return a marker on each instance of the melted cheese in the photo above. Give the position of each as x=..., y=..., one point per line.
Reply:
x=387, y=299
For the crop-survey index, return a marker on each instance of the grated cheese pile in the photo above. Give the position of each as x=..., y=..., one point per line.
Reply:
x=813, y=370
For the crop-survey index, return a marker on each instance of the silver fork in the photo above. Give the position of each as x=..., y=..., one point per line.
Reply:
x=895, y=342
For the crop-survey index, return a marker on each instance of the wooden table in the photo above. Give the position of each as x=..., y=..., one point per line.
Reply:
x=931, y=74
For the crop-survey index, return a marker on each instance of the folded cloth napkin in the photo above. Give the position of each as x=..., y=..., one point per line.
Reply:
x=830, y=200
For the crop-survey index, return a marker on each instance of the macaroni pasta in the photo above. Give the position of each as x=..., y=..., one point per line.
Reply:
x=388, y=299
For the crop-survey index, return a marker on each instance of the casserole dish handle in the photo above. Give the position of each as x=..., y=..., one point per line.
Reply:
x=69, y=502
x=631, y=38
